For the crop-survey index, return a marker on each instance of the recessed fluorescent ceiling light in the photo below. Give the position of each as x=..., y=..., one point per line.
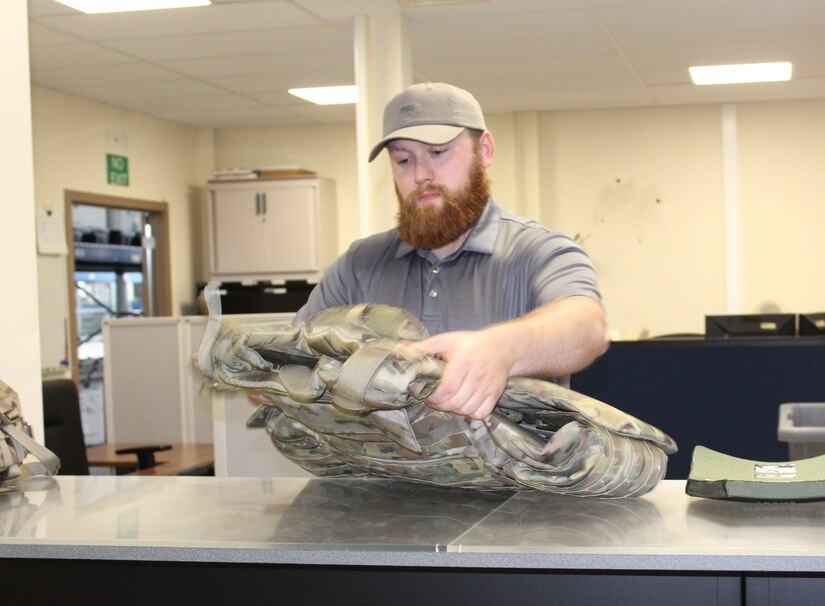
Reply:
x=739, y=74
x=122, y=6
x=327, y=95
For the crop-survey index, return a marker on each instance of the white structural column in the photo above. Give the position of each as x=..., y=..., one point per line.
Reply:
x=528, y=175
x=19, y=308
x=730, y=187
x=383, y=68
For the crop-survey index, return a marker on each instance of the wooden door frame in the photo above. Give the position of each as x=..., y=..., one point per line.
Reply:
x=158, y=219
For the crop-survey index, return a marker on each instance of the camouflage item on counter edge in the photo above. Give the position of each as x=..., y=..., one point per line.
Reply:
x=341, y=395
x=16, y=441
x=11, y=452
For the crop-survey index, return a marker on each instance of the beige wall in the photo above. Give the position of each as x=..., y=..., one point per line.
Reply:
x=19, y=328
x=167, y=163
x=782, y=191
x=644, y=188
x=660, y=263
x=641, y=188
x=503, y=171
x=329, y=150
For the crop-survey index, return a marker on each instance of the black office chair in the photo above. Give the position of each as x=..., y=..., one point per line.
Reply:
x=64, y=431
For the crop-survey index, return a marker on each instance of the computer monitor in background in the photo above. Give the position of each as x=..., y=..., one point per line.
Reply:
x=812, y=324
x=751, y=325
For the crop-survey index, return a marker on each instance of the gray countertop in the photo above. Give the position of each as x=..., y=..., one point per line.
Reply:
x=377, y=522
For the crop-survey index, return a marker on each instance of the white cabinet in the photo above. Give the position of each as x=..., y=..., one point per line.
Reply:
x=272, y=228
x=152, y=389
x=155, y=394
x=242, y=450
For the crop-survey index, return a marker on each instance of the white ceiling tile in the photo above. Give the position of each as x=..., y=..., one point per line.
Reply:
x=228, y=17
x=231, y=64
x=114, y=74
x=41, y=8
x=202, y=46
x=281, y=81
x=563, y=100
x=222, y=102
x=261, y=64
x=699, y=15
x=774, y=91
x=720, y=37
x=255, y=117
x=139, y=91
x=521, y=49
x=323, y=113
x=39, y=34
x=672, y=66
x=343, y=11
x=78, y=53
x=490, y=9
x=525, y=71
x=277, y=98
x=477, y=30
x=683, y=58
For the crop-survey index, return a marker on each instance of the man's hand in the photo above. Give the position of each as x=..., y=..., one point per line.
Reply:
x=551, y=341
x=475, y=374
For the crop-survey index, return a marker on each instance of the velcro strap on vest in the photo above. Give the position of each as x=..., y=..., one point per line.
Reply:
x=356, y=377
x=43, y=454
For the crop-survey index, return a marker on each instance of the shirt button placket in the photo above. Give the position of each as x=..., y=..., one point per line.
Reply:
x=433, y=290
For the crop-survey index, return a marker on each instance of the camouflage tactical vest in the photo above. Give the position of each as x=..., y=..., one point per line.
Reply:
x=340, y=395
x=16, y=441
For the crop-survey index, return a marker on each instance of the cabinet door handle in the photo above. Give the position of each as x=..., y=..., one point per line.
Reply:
x=263, y=199
x=257, y=204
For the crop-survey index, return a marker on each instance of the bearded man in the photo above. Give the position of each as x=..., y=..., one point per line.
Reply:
x=502, y=295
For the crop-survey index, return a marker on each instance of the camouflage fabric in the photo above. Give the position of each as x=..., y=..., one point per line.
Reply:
x=15, y=439
x=341, y=394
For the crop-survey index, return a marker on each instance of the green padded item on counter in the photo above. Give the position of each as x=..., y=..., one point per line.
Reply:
x=715, y=475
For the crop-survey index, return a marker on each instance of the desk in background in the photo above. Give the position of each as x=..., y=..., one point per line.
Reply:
x=181, y=459
x=720, y=393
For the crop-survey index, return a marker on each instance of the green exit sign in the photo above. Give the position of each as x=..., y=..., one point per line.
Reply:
x=117, y=170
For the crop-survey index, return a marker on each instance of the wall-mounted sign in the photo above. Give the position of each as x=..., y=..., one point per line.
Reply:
x=117, y=170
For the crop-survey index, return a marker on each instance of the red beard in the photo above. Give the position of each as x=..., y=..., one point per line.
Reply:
x=429, y=227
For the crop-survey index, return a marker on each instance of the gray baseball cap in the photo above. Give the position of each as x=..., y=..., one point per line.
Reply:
x=432, y=113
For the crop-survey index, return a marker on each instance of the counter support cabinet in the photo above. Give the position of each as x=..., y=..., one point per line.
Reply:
x=133, y=540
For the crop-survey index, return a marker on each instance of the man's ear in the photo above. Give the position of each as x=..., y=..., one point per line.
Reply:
x=486, y=148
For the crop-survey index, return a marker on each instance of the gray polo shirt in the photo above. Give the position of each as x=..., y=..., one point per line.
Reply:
x=507, y=267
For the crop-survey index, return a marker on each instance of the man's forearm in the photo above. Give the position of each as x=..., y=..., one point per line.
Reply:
x=554, y=340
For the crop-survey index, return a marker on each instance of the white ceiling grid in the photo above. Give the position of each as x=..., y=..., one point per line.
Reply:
x=230, y=64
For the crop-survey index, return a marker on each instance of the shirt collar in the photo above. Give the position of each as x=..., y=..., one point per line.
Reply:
x=482, y=236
